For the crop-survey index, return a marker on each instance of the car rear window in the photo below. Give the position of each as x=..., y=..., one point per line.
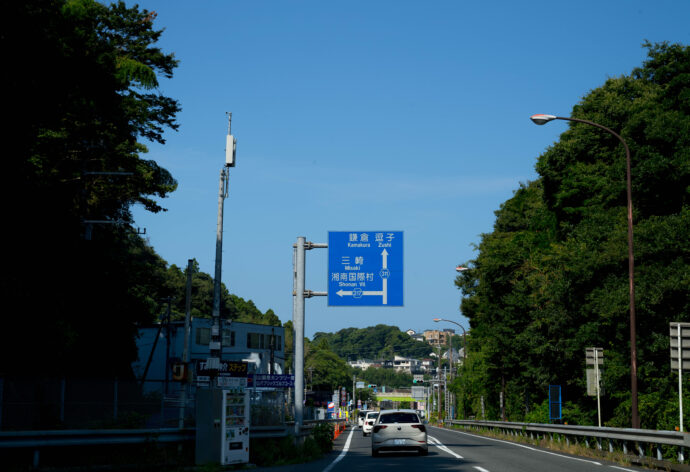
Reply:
x=398, y=418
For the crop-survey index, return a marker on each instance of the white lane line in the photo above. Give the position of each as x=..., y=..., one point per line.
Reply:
x=530, y=448
x=621, y=468
x=342, y=453
x=441, y=446
x=480, y=469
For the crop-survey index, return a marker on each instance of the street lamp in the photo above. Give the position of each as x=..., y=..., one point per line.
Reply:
x=464, y=335
x=541, y=119
x=464, y=339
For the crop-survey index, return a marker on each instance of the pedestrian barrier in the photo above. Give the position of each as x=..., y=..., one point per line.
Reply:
x=338, y=428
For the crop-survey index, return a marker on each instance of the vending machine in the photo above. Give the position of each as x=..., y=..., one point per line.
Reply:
x=222, y=425
x=235, y=432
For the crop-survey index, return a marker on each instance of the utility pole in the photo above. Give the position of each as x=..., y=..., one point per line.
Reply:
x=168, y=300
x=438, y=376
x=185, y=349
x=215, y=346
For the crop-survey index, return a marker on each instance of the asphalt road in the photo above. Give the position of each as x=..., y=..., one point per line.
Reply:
x=449, y=450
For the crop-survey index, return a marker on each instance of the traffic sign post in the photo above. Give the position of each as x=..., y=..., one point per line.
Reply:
x=365, y=268
x=680, y=357
x=594, y=356
x=555, y=403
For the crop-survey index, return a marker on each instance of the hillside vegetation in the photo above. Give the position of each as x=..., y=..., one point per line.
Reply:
x=375, y=342
x=551, y=279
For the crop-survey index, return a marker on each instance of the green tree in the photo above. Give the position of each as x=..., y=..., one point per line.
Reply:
x=328, y=370
x=551, y=279
x=82, y=93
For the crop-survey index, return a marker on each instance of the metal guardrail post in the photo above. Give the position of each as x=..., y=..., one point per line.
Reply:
x=638, y=437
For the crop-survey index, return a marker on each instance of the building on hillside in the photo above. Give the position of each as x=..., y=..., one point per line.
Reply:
x=406, y=364
x=436, y=337
x=363, y=364
x=411, y=332
x=261, y=346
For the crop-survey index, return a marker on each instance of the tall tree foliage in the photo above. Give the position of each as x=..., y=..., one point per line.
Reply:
x=81, y=79
x=232, y=307
x=328, y=371
x=551, y=279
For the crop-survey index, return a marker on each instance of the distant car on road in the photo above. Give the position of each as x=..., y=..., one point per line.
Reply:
x=369, y=421
x=399, y=430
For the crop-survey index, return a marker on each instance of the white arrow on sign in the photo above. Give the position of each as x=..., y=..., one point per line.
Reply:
x=358, y=293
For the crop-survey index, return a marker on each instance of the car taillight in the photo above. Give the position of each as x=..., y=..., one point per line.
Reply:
x=379, y=427
x=420, y=427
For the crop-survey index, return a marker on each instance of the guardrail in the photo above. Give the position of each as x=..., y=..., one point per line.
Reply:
x=617, y=438
x=37, y=440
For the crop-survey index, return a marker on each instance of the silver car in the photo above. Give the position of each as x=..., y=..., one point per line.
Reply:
x=398, y=430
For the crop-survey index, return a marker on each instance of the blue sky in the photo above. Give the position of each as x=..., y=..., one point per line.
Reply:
x=368, y=116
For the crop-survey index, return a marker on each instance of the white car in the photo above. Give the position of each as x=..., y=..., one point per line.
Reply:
x=369, y=421
x=360, y=417
x=397, y=430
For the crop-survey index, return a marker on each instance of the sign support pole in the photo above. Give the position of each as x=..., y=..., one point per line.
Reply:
x=298, y=324
x=596, y=366
x=299, y=294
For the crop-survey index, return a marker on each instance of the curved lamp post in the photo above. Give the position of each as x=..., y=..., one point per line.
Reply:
x=541, y=119
x=464, y=342
x=464, y=336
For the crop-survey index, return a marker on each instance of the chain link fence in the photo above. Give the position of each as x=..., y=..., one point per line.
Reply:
x=48, y=403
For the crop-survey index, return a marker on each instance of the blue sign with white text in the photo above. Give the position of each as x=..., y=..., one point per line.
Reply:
x=365, y=268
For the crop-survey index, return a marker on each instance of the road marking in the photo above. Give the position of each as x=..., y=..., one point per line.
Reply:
x=621, y=468
x=530, y=448
x=480, y=469
x=441, y=446
x=342, y=453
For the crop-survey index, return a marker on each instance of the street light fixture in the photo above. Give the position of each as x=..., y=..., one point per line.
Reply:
x=464, y=335
x=541, y=119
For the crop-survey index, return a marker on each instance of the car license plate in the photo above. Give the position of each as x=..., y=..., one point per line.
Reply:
x=399, y=442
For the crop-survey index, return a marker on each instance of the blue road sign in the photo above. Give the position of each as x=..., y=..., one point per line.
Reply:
x=555, y=403
x=365, y=268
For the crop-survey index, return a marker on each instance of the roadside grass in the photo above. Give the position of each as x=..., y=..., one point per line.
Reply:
x=577, y=449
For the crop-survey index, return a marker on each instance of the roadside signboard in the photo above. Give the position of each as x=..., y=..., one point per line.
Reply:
x=592, y=383
x=365, y=268
x=555, y=404
x=229, y=374
x=684, y=351
x=273, y=380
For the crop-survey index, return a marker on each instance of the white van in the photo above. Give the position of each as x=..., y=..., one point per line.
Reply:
x=360, y=417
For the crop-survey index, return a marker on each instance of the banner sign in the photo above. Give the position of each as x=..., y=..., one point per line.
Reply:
x=273, y=380
x=227, y=369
